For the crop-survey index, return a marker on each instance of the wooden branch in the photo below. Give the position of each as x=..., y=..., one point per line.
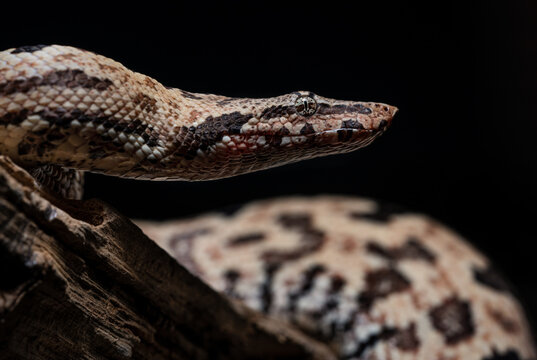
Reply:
x=79, y=280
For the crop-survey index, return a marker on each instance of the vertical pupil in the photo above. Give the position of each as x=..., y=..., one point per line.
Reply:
x=305, y=103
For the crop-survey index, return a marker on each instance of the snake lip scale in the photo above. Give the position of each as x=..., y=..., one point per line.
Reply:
x=372, y=281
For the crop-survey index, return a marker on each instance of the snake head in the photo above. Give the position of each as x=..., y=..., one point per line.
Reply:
x=332, y=126
x=253, y=134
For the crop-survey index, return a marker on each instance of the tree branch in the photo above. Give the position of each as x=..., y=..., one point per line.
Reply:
x=79, y=280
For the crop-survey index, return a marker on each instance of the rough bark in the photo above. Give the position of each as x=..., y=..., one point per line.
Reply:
x=79, y=280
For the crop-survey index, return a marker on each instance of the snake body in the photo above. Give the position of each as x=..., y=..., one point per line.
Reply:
x=371, y=282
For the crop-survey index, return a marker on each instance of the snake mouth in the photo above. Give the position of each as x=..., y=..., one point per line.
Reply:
x=332, y=135
x=346, y=135
x=351, y=138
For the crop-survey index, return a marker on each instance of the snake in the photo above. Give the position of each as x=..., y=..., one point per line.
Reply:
x=371, y=280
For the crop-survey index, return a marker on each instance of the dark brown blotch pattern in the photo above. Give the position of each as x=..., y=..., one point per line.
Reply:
x=231, y=277
x=311, y=240
x=297, y=221
x=508, y=324
x=510, y=354
x=453, y=319
x=325, y=109
x=490, y=278
x=308, y=279
x=228, y=101
x=337, y=283
x=382, y=124
x=380, y=284
x=344, y=135
x=413, y=249
x=70, y=78
x=60, y=121
x=269, y=270
x=283, y=131
x=246, y=239
x=352, y=124
x=146, y=103
x=406, y=339
x=14, y=118
x=207, y=134
x=307, y=129
x=277, y=111
x=190, y=95
x=382, y=214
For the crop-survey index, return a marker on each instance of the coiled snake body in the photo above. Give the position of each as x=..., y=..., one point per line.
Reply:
x=373, y=283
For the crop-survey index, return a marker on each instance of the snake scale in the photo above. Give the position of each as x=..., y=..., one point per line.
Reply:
x=371, y=280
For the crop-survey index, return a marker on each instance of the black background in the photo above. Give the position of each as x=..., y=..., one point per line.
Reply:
x=464, y=76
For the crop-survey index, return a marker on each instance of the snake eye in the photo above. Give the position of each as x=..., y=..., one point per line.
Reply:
x=306, y=105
